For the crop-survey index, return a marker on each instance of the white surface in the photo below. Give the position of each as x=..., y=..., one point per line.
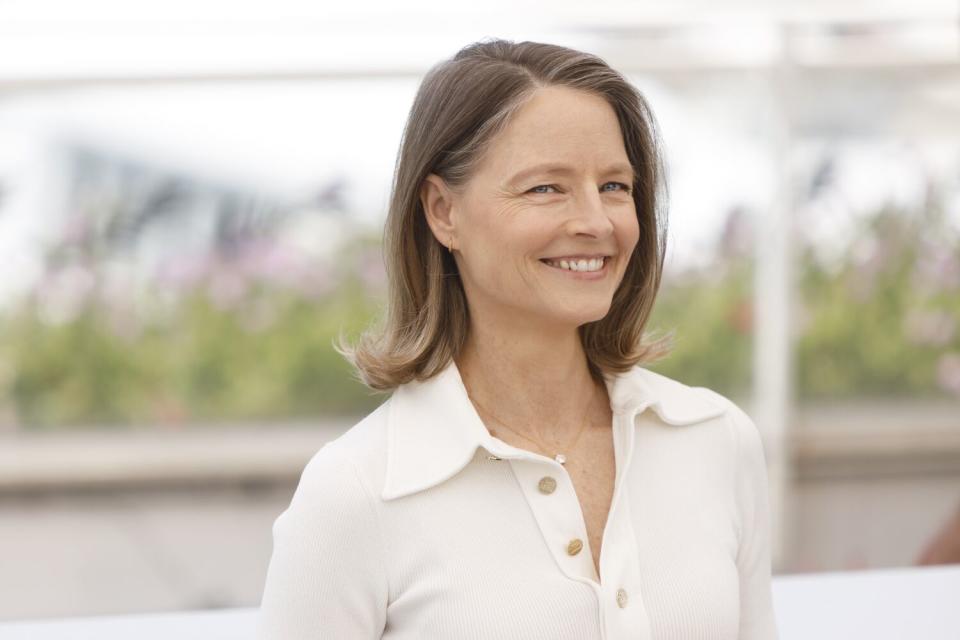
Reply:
x=890, y=604
x=227, y=624
x=107, y=458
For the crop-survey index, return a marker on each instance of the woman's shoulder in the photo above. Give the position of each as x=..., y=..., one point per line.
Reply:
x=329, y=559
x=747, y=439
x=681, y=398
x=674, y=400
x=355, y=456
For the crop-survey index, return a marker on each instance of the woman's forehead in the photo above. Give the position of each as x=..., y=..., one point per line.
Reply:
x=572, y=117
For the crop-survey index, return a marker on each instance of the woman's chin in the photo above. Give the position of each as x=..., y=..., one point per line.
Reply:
x=582, y=316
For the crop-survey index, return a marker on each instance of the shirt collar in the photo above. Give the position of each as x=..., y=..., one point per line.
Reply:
x=433, y=430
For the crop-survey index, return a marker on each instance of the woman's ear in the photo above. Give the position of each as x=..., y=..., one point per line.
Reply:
x=437, y=200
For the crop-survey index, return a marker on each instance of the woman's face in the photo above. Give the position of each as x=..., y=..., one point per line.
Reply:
x=546, y=225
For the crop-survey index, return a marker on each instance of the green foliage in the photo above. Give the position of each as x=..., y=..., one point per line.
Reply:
x=204, y=367
x=884, y=323
x=710, y=316
x=266, y=356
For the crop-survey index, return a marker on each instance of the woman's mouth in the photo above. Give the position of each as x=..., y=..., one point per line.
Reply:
x=582, y=268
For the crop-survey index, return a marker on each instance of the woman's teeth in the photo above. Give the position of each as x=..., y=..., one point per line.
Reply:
x=578, y=265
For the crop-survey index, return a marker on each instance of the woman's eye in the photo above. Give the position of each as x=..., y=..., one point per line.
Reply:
x=623, y=187
x=543, y=186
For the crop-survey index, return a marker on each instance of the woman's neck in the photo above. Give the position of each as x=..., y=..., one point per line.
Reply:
x=536, y=382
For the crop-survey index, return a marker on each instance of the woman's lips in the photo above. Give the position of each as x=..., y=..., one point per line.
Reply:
x=581, y=275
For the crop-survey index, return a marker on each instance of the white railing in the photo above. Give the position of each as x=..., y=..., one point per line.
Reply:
x=889, y=604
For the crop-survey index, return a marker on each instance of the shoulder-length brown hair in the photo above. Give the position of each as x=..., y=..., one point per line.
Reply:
x=460, y=106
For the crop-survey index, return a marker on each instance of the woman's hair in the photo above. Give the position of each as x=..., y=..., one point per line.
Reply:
x=461, y=105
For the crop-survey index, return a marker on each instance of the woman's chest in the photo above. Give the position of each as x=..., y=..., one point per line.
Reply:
x=592, y=472
x=476, y=557
x=485, y=555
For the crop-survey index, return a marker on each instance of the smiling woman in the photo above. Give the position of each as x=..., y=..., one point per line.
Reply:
x=477, y=158
x=515, y=485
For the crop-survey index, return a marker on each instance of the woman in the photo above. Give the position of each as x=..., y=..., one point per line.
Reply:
x=527, y=478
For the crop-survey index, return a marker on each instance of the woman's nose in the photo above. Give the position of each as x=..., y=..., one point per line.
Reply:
x=591, y=215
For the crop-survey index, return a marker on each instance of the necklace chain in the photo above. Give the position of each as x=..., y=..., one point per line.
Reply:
x=559, y=457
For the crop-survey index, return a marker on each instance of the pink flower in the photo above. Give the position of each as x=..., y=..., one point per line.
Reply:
x=948, y=372
x=183, y=271
x=63, y=295
x=371, y=270
x=936, y=269
x=929, y=327
x=226, y=289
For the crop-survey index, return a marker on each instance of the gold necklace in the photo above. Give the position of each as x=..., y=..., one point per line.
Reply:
x=559, y=457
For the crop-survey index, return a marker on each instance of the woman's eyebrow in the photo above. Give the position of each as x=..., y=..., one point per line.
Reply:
x=562, y=169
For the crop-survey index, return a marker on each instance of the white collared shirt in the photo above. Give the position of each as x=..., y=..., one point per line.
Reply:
x=417, y=524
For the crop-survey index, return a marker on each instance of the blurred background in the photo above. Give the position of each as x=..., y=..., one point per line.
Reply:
x=191, y=204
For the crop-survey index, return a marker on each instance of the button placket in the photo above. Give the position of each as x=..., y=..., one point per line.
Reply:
x=551, y=498
x=627, y=615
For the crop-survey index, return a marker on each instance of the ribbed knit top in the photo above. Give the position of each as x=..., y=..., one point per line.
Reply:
x=418, y=524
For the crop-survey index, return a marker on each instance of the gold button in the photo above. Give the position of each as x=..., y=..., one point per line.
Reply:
x=574, y=547
x=621, y=598
x=547, y=484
